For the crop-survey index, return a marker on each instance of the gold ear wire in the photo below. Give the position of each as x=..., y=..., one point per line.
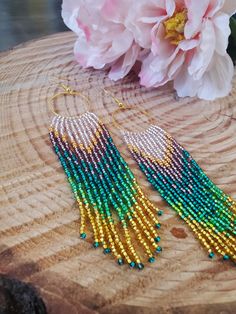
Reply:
x=119, y=103
x=67, y=91
x=122, y=106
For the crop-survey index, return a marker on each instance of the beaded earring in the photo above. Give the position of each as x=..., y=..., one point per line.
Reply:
x=123, y=221
x=171, y=170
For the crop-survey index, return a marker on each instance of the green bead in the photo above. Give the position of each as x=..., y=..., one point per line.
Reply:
x=158, y=226
x=157, y=239
x=120, y=261
x=211, y=255
x=160, y=212
x=225, y=257
x=151, y=259
x=159, y=249
x=96, y=244
x=107, y=251
x=83, y=235
x=140, y=266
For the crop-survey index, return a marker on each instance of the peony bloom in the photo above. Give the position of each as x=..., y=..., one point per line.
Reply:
x=188, y=41
x=103, y=39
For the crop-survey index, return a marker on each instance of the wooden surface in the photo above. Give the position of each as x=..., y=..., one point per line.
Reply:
x=39, y=240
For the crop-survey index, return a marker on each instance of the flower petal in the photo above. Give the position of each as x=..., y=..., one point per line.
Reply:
x=214, y=7
x=196, y=12
x=184, y=83
x=186, y=45
x=222, y=32
x=204, y=52
x=229, y=7
x=217, y=80
x=88, y=55
x=125, y=63
x=157, y=71
x=153, y=72
x=170, y=7
x=116, y=10
x=69, y=15
x=160, y=45
x=176, y=64
x=145, y=15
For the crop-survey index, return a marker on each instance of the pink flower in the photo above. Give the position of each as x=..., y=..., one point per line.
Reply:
x=188, y=41
x=103, y=38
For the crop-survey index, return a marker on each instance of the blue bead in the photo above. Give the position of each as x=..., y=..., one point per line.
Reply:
x=107, y=251
x=83, y=235
x=120, y=261
x=132, y=264
x=211, y=255
x=140, y=266
x=158, y=226
x=160, y=212
x=158, y=249
x=96, y=244
x=151, y=259
x=225, y=257
x=157, y=239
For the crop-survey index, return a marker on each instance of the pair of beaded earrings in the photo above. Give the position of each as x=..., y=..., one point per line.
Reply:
x=122, y=219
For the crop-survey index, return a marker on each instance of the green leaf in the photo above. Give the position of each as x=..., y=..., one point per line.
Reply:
x=233, y=28
x=232, y=39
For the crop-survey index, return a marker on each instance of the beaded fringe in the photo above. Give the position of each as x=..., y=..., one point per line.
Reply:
x=209, y=212
x=123, y=221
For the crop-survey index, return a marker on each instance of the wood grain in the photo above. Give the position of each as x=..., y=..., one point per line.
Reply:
x=39, y=240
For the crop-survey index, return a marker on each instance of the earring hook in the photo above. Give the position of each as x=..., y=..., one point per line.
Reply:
x=119, y=103
x=122, y=106
x=67, y=90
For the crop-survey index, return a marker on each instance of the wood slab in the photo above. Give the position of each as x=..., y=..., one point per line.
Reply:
x=39, y=240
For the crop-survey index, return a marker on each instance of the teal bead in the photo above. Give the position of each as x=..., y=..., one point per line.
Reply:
x=132, y=264
x=96, y=244
x=107, y=251
x=140, y=266
x=226, y=257
x=157, y=239
x=83, y=235
x=151, y=259
x=120, y=261
x=211, y=255
x=160, y=212
x=159, y=249
x=158, y=226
